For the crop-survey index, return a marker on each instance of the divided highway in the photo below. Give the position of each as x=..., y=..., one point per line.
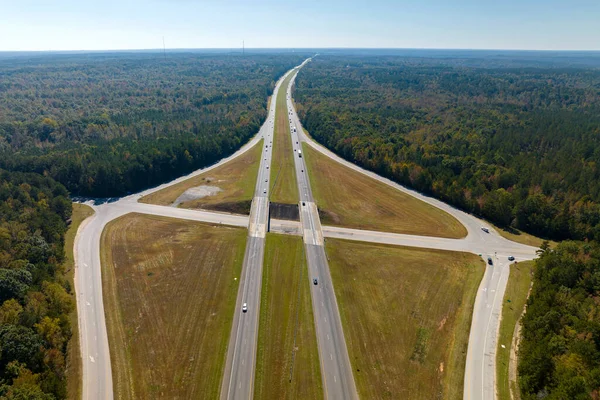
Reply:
x=335, y=365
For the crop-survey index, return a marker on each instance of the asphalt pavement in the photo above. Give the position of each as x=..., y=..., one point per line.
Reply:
x=336, y=371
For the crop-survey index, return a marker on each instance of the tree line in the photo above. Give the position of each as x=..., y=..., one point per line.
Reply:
x=108, y=125
x=35, y=298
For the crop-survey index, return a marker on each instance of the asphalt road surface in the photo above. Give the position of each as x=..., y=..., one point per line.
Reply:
x=238, y=378
x=336, y=371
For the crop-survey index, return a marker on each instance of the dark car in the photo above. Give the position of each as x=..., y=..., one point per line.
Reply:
x=315, y=281
x=490, y=261
x=511, y=258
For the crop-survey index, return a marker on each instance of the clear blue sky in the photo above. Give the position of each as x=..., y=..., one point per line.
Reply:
x=141, y=24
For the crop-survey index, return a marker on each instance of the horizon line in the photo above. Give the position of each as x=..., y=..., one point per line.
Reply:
x=298, y=48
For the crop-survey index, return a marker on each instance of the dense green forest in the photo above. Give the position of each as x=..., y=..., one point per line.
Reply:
x=518, y=145
x=559, y=354
x=109, y=124
x=35, y=299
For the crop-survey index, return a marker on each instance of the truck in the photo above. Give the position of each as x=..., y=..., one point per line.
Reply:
x=300, y=153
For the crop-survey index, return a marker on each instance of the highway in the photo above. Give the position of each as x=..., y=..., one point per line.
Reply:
x=336, y=371
x=479, y=380
x=238, y=377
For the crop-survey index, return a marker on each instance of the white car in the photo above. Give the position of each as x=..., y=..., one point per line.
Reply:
x=486, y=230
x=245, y=307
x=265, y=191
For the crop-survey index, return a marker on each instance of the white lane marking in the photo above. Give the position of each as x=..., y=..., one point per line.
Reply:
x=85, y=265
x=331, y=356
x=88, y=303
x=328, y=336
x=335, y=380
x=92, y=359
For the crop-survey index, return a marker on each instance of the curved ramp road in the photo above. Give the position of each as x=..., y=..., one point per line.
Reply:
x=335, y=365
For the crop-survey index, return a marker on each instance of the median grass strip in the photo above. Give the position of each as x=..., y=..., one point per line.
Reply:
x=169, y=291
x=406, y=314
x=283, y=174
x=236, y=179
x=285, y=314
x=515, y=297
x=348, y=198
x=74, y=367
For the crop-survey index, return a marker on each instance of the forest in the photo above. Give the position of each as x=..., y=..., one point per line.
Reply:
x=106, y=125
x=35, y=298
x=517, y=145
x=559, y=352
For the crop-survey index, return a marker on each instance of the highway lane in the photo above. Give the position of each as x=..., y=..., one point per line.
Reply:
x=336, y=371
x=238, y=377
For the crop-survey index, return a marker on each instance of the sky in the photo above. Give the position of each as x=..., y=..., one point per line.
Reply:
x=438, y=24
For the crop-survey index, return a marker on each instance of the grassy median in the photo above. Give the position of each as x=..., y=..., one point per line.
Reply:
x=285, y=314
x=515, y=297
x=351, y=199
x=236, y=179
x=169, y=291
x=406, y=314
x=283, y=174
x=74, y=367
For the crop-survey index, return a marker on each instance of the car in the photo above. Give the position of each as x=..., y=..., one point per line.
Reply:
x=301, y=170
x=264, y=190
x=267, y=167
x=315, y=281
x=486, y=230
x=245, y=307
x=266, y=180
x=490, y=261
x=303, y=203
x=294, y=149
x=296, y=142
x=511, y=258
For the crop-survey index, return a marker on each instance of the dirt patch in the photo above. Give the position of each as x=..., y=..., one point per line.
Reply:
x=235, y=207
x=195, y=193
x=284, y=211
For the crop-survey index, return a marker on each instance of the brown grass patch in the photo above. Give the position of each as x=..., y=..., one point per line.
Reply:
x=283, y=173
x=285, y=274
x=74, y=365
x=351, y=199
x=169, y=293
x=237, y=179
x=406, y=314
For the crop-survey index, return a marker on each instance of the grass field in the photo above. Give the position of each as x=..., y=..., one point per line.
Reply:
x=523, y=238
x=237, y=179
x=169, y=291
x=283, y=174
x=285, y=307
x=514, y=301
x=350, y=199
x=406, y=314
x=73, y=367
